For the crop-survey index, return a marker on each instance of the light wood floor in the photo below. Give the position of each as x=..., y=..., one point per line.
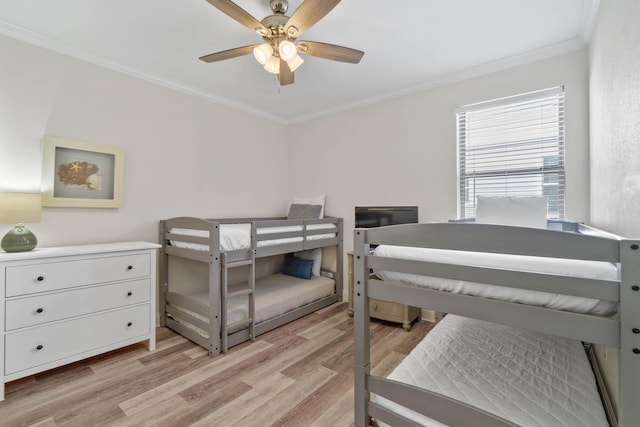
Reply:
x=298, y=375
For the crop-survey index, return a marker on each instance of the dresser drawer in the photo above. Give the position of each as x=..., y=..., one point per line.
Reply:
x=35, y=310
x=386, y=310
x=38, y=346
x=34, y=278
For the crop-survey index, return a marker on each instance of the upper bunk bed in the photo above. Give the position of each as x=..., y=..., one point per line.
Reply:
x=574, y=282
x=241, y=239
x=202, y=304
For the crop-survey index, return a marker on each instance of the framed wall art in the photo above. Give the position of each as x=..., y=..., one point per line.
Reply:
x=81, y=174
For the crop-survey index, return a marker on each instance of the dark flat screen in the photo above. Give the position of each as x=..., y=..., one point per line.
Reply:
x=379, y=216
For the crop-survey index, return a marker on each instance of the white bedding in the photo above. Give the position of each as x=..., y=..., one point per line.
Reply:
x=275, y=295
x=526, y=377
x=238, y=236
x=566, y=267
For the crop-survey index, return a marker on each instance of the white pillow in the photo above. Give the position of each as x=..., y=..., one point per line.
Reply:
x=311, y=201
x=315, y=255
x=521, y=211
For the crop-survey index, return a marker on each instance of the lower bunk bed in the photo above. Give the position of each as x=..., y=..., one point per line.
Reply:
x=522, y=302
x=202, y=300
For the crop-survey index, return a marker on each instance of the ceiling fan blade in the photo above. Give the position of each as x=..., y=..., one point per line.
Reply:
x=286, y=75
x=307, y=14
x=330, y=51
x=228, y=54
x=239, y=14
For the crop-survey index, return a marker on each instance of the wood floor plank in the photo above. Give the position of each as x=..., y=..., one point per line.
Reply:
x=300, y=374
x=49, y=422
x=269, y=412
x=264, y=389
x=340, y=414
x=314, y=405
x=212, y=400
x=287, y=358
x=317, y=329
x=158, y=396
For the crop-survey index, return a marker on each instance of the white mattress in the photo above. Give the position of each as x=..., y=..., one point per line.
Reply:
x=275, y=295
x=238, y=236
x=526, y=377
x=565, y=267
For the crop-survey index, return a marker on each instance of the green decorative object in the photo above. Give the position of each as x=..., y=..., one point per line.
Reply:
x=19, y=239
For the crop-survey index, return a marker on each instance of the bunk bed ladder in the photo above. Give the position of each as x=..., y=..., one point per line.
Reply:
x=249, y=290
x=252, y=297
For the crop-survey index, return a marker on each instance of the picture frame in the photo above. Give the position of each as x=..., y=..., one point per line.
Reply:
x=81, y=174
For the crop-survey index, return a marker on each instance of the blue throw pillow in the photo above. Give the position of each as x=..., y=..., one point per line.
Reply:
x=298, y=267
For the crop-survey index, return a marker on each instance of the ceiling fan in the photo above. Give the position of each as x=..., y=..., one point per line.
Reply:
x=279, y=52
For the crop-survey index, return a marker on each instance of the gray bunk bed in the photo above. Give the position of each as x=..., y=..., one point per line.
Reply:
x=418, y=280
x=196, y=294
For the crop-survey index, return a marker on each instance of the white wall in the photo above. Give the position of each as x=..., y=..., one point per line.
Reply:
x=614, y=86
x=183, y=155
x=403, y=151
x=177, y=147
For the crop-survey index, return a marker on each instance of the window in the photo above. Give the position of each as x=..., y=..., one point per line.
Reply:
x=512, y=147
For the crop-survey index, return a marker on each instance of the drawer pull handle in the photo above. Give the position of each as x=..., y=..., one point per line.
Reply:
x=129, y=293
x=39, y=347
x=130, y=267
x=129, y=324
x=40, y=278
x=39, y=310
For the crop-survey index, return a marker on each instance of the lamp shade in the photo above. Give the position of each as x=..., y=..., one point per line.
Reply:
x=263, y=53
x=20, y=207
x=287, y=50
x=273, y=65
x=295, y=62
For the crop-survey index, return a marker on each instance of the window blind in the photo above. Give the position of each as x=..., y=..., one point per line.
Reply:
x=512, y=147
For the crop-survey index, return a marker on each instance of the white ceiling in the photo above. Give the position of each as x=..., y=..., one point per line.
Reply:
x=409, y=45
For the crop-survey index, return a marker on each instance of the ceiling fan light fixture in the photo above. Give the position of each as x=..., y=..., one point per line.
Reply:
x=280, y=55
x=287, y=50
x=263, y=53
x=273, y=65
x=295, y=62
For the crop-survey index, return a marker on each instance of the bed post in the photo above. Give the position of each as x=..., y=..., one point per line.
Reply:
x=163, y=279
x=339, y=262
x=360, y=328
x=629, y=314
x=214, y=289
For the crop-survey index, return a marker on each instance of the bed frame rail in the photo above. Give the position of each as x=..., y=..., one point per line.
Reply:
x=433, y=405
x=596, y=329
x=497, y=239
x=566, y=285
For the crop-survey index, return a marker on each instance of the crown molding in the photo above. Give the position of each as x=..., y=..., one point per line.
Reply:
x=76, y=52
x=480, y=70
x=67, y=49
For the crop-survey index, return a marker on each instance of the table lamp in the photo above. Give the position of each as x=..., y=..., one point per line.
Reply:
x=17, y=208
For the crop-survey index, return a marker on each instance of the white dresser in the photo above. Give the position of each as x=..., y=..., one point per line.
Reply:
x=68, y=303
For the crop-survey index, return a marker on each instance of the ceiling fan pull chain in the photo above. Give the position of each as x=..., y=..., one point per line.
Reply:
x=276, y=83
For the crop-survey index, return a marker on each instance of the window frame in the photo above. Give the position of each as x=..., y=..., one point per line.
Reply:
x=556, y=207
